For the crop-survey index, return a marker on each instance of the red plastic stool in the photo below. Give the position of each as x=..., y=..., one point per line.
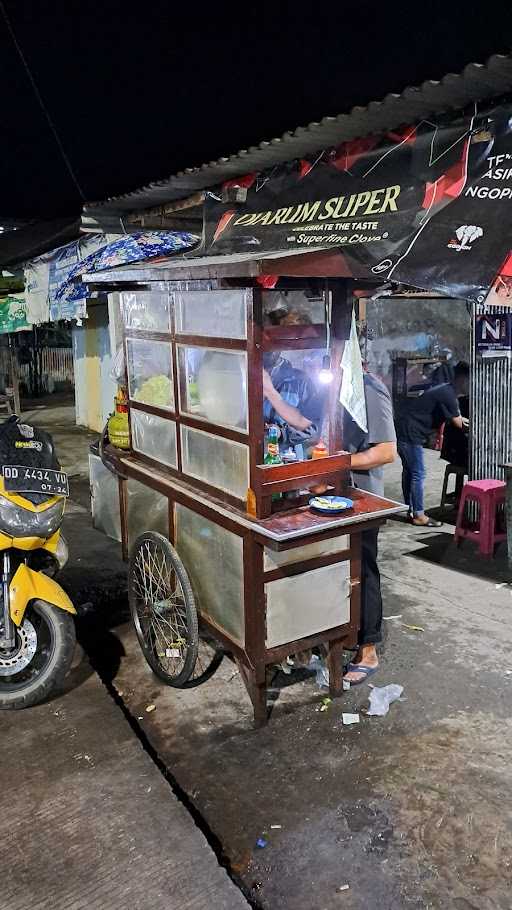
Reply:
x=490, y=495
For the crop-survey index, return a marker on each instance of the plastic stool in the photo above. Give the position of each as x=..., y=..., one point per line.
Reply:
x=490, y=495
x=460, y=473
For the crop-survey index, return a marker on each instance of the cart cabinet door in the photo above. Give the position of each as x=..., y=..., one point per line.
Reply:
x=305, y=604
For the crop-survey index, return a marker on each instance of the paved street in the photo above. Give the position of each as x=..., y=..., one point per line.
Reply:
x=410, y=810
x=89, y=821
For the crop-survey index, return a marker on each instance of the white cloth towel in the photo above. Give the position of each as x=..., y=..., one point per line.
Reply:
x=352, y=395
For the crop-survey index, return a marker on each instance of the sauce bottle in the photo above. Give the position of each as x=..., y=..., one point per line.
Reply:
x=319, y=450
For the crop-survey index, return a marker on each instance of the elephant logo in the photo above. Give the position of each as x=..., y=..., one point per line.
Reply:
x=465, y=236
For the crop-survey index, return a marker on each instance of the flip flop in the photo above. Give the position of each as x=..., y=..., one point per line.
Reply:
x=360, y=668
x=431, y=523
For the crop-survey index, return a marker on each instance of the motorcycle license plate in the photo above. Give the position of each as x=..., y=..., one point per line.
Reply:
x=19, y=479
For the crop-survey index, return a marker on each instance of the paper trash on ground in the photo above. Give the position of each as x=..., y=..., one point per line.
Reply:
x=381, y=697
x=350, y=719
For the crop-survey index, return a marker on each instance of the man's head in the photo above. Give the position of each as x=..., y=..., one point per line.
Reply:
x=461, y=373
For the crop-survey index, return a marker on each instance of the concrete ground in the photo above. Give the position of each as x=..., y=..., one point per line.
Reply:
x=409, y=810
x=88, y=820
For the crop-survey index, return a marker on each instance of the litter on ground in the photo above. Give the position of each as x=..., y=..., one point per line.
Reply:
x=381, y=697
x=350, y=719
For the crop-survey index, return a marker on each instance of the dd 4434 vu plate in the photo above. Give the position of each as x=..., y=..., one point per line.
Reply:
x=20, y=479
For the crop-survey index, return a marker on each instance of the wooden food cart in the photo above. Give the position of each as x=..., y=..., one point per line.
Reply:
x=268, y=576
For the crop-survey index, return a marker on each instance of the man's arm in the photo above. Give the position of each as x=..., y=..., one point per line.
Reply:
x=380, y=454
x=291, y=415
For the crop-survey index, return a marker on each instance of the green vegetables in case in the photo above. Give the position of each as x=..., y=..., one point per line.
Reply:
x=157, y=391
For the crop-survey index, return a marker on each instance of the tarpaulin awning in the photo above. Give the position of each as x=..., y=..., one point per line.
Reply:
x=52, y=284
x=137, y=247
x=44, y=275
x=427, y=205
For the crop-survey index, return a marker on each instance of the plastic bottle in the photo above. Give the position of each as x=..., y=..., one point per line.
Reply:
x=272, y=455
x=320, y=450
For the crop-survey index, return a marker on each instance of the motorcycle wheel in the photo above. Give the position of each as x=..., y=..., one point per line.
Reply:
x=45, y=643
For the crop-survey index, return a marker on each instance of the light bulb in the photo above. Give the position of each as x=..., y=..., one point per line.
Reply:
x=325, y=375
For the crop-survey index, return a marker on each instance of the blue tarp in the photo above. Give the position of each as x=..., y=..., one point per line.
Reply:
x=69, y=298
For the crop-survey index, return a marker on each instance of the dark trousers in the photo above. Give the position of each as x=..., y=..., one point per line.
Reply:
x=370, y=632
x=413, y=475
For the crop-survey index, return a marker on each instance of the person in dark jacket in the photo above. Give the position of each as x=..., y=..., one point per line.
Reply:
x=415, y=419
x=291, y=401
x=455, y=448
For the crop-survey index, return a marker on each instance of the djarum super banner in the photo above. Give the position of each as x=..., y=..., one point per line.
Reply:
x=428, y=205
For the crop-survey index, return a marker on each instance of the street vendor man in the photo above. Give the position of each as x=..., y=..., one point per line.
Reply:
x=370, y=451
x=291, y=401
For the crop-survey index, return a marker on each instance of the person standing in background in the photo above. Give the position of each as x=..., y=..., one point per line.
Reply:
x=415, y=419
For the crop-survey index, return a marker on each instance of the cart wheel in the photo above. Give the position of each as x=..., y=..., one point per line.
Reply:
x=209, y=659
x=163, y=609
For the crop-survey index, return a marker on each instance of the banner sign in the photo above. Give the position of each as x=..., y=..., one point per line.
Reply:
x=501, y=290
x=493, y=335
x=44, y=276
x=428, y=205
x=13, y=314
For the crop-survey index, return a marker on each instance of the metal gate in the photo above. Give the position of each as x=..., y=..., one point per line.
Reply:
x=490, y=408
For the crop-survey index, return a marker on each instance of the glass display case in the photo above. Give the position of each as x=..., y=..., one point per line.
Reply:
x=224, y=471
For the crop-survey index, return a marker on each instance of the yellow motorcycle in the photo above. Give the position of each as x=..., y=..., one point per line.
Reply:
x=37, y=629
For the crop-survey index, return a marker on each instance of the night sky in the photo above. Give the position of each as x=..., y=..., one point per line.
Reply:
x=138, y=92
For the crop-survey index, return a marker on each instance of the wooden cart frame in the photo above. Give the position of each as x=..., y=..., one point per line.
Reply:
x=308, y=543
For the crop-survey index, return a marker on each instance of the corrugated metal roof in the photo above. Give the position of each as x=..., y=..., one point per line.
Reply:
x=478, y=82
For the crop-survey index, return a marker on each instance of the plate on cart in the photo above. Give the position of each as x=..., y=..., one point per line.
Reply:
x=330, y=505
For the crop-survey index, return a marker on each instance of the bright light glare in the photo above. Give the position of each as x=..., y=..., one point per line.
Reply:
x=325, y=375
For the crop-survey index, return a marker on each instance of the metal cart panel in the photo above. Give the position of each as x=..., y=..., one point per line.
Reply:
x=213, y=558
x=305, y=604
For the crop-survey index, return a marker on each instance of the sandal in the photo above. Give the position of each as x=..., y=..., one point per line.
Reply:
x=431, y=523
x=360, y=668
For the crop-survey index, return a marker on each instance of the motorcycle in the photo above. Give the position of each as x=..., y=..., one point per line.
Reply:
x=37, y=628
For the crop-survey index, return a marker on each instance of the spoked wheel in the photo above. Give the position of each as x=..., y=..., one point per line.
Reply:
x=163, y=609
x=209, y=658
